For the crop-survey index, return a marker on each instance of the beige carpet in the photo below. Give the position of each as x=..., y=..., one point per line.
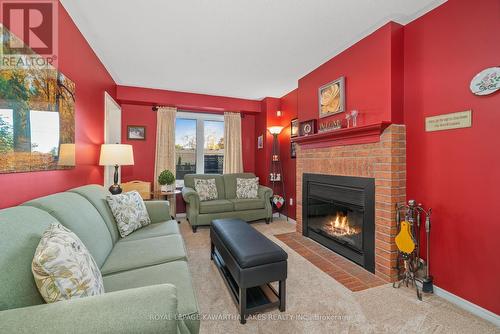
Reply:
x=316, y=303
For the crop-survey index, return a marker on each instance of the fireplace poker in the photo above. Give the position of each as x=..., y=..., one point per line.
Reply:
x=427, y=283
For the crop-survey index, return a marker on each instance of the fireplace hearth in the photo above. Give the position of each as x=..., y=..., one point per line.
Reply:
x=338, y=212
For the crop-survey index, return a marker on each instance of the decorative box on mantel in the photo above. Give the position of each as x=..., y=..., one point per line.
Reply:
x=347, y=136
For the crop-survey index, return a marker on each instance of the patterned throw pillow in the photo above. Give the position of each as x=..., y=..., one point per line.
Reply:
x=247, y=188
x=129, y=211
x=63, y=267
x=206, y=189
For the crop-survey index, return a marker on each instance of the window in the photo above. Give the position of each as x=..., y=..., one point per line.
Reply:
x=213, y=149
x=199, y=144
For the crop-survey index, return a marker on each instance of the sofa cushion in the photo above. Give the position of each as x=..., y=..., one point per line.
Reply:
x=154, y=230
x=216, y=206
x=219, y=182
x=81, y=217
x=63, y=267
x=230, y=183
x=21, y=229
x=176, y=273
x=133, y=254
x=248, y=204
x=206, y=189
x=129, y=211
x=247, y=187
x=96, y=194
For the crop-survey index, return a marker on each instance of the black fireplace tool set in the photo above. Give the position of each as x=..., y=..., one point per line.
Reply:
x=412, y=269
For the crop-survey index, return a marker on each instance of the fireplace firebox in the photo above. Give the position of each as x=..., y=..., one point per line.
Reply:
x=339, y=213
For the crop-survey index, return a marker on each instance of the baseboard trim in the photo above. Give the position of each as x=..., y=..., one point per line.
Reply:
x=468, y=306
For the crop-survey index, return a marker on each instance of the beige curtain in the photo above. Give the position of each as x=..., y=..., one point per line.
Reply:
x=233, y=161
x=165, y=145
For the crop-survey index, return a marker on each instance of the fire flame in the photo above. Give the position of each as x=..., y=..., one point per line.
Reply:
x=340, y=226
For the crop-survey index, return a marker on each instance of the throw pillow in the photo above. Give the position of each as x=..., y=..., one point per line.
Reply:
x=63, y=267
x=129, y=211
x=247, y=188
x=206, y=189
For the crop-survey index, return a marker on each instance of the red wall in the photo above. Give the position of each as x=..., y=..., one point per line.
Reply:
x=456, y=171
x=288, y=105
x=187, y=101
x=139, y=113
x=79, y=63
x=373, y=70
x=289, y=112
x=269, y=106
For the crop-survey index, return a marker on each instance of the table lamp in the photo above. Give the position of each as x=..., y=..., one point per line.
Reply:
x=116, y=155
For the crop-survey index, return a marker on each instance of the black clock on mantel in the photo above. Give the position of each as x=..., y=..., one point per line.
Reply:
x=307, y=128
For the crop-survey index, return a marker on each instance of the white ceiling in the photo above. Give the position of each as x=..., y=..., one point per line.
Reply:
x=240, y=48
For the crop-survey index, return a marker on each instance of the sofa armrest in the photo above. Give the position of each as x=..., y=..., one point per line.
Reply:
x=151, y=309
x=191, y=197
x=158, y=211
x=265, y=192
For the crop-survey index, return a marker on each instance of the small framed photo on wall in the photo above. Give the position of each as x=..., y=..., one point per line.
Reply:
x=260, y=141
x=294, y=127
x=136, y=132
x=293, y=150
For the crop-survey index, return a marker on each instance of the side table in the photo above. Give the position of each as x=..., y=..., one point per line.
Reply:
x=170, y=196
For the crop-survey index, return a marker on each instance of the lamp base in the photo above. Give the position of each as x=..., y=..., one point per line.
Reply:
x=115, y=189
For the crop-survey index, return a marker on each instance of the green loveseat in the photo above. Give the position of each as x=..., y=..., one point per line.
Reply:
x=146, y=277
x=226, y=205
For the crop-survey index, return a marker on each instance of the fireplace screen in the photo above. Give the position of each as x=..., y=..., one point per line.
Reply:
x=339, y=213
x=339, y=222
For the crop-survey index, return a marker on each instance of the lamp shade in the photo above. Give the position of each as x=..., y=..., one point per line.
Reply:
x=116, y=154
x=275, y=130
x=66, y=155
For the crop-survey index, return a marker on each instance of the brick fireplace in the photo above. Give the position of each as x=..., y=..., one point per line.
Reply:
x=377, y=152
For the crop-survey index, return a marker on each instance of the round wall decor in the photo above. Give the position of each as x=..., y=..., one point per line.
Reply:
x=486, y=82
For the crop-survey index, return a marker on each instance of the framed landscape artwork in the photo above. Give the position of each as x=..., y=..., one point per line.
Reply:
x=136, y=132
x=37, y=116
x=331, y=98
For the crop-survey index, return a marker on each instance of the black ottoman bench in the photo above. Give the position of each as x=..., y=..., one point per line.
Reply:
x=248, y=262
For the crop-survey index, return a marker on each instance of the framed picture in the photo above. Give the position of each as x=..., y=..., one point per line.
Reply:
x=136, y=132
x=293, y=150
x=331, y=98
x=260, y=141
x=294, y=127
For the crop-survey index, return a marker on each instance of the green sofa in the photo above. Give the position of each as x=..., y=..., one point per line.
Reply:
x=146, y=277
x=226, y=205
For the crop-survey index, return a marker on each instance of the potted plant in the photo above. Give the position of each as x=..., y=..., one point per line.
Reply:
x=166, y=179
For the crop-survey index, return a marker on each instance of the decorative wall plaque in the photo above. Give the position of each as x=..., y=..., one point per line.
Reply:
x=307, y=128
x=486, y=82
x=456, y=120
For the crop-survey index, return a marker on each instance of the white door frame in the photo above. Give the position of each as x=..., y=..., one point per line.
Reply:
x=112, y=131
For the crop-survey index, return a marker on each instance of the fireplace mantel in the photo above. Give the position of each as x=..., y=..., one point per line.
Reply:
x=349, y=136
